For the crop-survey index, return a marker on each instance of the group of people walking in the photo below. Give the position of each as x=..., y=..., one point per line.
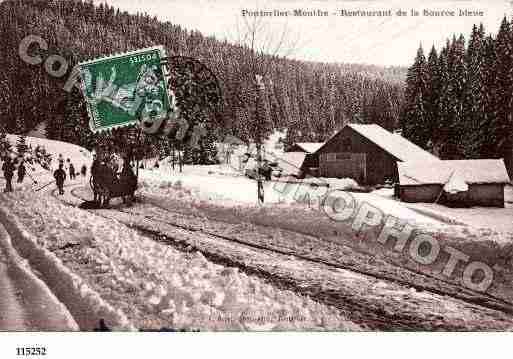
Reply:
x=8, y=168
x=17, y=166
x=12, y=166
x=60, y=174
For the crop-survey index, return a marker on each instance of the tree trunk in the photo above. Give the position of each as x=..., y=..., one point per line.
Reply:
x=260, y=184
x=173, y=153
x=180, y=158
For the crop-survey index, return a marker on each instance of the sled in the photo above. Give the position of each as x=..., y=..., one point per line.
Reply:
x=90, y=205
x=106, y=184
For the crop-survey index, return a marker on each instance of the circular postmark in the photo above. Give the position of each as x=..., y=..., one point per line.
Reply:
x=195, y=97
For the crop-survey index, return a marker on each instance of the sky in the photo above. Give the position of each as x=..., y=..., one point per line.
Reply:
x=381, y=40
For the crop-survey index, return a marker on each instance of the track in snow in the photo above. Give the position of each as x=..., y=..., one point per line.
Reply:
x=479, y=299
x=26, y=302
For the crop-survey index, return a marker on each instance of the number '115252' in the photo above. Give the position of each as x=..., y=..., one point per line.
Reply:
x=30, y=351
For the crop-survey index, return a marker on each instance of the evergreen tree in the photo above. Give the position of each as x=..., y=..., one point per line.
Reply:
x=454, y=148
x=503, y=127
x=5, y=145
x=414, y=121
x=313, y=98
x=189, y=155
x=474, y=96
x=444, y=103
x=486, y=132
x=208, y=154
x=432, y=97
x=469, y=100
x=21, y=145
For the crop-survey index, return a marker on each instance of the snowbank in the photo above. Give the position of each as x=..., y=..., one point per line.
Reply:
x=86, y=306
x=223, y=185
x=159, y=286
x=78, y=155
x=43, y=311
x=485, y=245
x=37, y=176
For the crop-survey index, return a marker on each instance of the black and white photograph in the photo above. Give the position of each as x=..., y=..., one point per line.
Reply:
x=274, y=167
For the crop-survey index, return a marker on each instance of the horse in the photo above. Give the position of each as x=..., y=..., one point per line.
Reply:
x=106, y=184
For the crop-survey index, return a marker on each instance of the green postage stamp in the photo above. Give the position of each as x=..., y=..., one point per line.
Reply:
x=124, y=89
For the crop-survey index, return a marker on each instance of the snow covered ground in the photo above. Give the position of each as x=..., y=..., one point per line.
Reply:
x=482, y=234
x=205, y=187
x=342, y=287
x=473, y=225
x=499, y=219
x=158, y=286
x=207, y=183
x=155, y=285
x=26, y=303
x=78, y=156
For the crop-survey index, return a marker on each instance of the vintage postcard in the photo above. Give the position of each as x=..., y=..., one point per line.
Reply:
x=274, y=166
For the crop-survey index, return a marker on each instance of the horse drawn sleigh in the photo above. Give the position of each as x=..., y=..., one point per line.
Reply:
x=106, y=183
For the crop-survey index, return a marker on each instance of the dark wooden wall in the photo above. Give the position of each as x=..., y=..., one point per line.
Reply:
x=491, y=194
x=478, y=195
x=311, y=159
x=378, y=164
x=427, y=193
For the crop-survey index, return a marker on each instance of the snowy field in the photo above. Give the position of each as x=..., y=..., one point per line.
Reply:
x=480, y=221
x=205, y=187
x=157, y=286
x=224, y=185
x=215, y=184
x=78, y=156
x=484, y=234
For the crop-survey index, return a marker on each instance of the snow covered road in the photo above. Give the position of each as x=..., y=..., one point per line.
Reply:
x=369, y=300
x=158, y=286
x=137, y=268
x=26, y=303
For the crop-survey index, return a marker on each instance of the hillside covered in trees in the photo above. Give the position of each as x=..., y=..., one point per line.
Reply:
x=458, y=101
x=310, y=100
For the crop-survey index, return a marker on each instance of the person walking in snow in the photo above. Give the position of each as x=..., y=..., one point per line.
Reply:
x=21, y=172
x=94, y=165
x=71, y=171
x=8, y=169
x=60, y=177
x=83, y=170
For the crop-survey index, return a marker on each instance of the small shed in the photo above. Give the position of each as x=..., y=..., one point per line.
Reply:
x=454, y=182
x=292, y=163
x=311, y=163
x=367, y=154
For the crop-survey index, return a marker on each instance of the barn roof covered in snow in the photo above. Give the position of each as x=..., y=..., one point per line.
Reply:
x=309, y=147
x=395, y=144
x=441, y=172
